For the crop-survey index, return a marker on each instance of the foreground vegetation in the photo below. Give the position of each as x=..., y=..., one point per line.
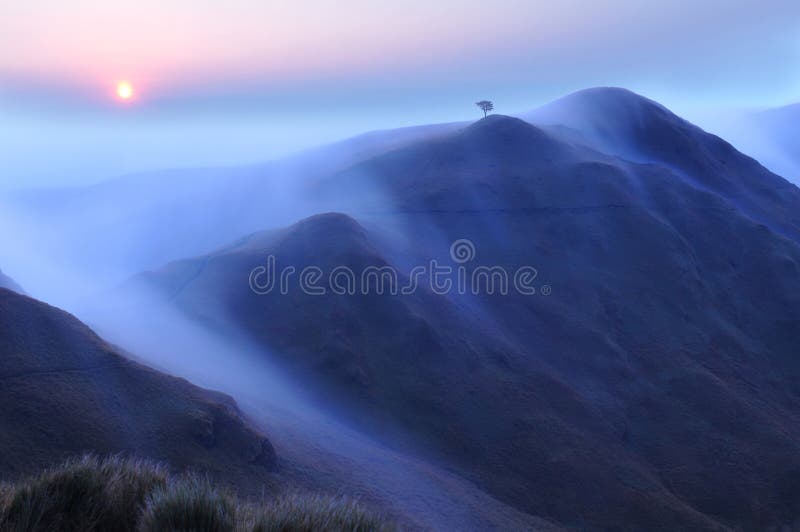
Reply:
x=92, y=494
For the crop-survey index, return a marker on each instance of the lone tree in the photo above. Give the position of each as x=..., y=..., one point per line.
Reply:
x=485, y=106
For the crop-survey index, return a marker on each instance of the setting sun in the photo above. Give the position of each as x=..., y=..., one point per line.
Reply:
x=124, y=90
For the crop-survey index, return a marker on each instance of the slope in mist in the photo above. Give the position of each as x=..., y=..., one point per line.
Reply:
x=96, y=236
x=65, y=391
x=653, y=387
x=585, y=406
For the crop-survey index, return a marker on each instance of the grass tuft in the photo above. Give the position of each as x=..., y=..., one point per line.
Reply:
x=311, y=513
x=189, y=505
x=83, y=495
x=90, y=494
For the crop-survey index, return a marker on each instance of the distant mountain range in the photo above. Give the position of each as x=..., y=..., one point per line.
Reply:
x=650, y=382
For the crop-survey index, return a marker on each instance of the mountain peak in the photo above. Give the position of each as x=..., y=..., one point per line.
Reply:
x=329, y=220
x=312, y=231
x=323, y=231
x=502, y=124
x=508, y=134
x=587, y=106
x=610, y=93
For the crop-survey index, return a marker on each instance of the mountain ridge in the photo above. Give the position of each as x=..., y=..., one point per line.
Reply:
x=198, y=211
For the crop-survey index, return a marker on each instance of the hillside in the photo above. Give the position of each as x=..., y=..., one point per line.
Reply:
x=585, y=406
x=65, y=391
x=622, y=123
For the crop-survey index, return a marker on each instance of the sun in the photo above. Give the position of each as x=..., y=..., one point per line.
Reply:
x=124, y=90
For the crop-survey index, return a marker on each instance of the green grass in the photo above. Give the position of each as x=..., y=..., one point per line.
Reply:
x=131, y=495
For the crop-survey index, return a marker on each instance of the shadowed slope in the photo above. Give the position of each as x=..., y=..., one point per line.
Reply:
x=655, y=388
x=65, y=391
x=458, y=171
x=620, y=122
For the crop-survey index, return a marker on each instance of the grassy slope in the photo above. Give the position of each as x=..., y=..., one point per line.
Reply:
x=90, y=494
x=65, y=391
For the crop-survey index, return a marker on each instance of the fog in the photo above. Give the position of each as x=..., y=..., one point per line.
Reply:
x=83, y=152
x=65, y=148
x=768, y=135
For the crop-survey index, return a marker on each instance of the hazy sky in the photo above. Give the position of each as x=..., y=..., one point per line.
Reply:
x=245, y=80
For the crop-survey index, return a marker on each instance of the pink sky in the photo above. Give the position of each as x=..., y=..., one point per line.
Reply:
x=173, y=45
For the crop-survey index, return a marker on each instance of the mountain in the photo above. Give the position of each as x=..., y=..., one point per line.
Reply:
x=8, y=282
x=622, y=123
x=65, y=391
x=650, y=383
x=162, y=216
